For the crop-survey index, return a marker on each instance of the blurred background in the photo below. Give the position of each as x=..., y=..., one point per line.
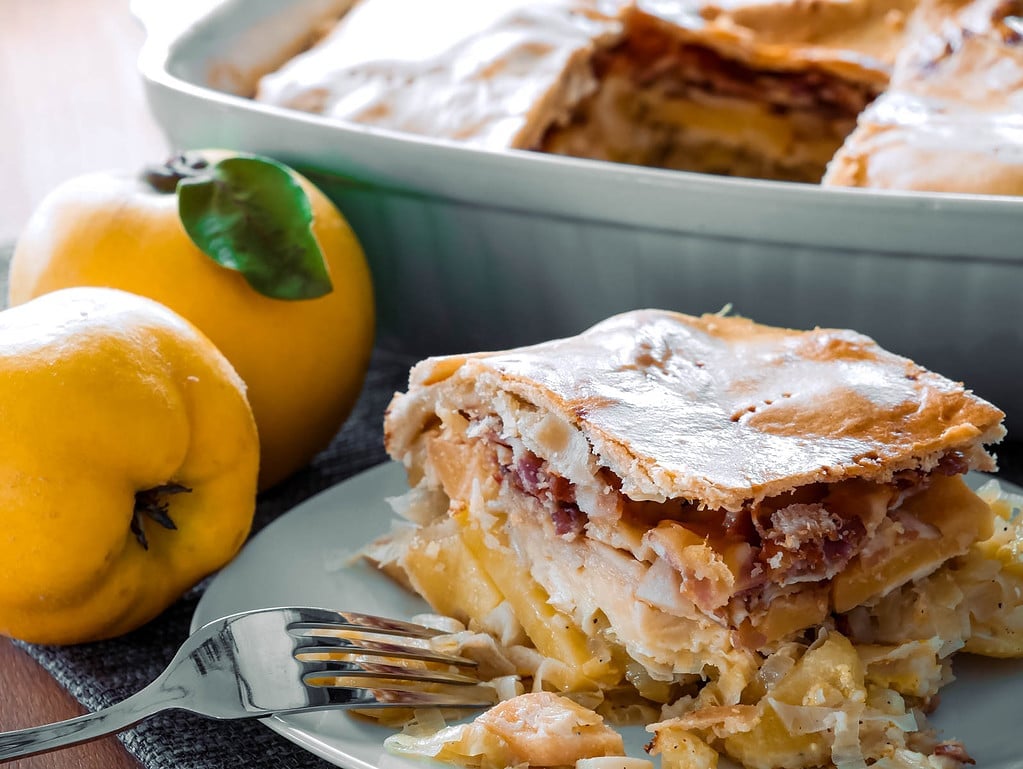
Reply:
x=71, y=98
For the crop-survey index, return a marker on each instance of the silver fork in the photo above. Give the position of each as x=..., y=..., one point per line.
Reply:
x=285, y=660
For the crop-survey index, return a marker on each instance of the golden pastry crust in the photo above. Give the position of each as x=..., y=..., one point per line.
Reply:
x=493, y=74
x=950, y=122
x=874, y=29
x=856, y=40
x=721, y=410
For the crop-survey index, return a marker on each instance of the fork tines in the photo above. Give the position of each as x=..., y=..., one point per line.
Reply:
x=332, y=647
x=353, y=669
x=368, y=623
x=337, y=645
x=478, y=696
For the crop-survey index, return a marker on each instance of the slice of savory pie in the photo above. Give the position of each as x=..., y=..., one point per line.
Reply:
x=677, y=506
x=678, y=493
x=952, y=120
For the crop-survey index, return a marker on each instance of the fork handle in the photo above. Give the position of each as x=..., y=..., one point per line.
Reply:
x=91, y=726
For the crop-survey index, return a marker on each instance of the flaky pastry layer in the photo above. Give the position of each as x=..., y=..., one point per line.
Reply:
x=718, y=410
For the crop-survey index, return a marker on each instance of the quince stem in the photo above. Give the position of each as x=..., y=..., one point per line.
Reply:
x=184, y=165
x=153, y=504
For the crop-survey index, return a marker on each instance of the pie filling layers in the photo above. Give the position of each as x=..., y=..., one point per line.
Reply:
x=665, y=101
x=663, y=592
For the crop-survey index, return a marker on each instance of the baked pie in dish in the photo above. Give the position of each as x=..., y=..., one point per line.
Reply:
x=742, y=87
x=756, y=540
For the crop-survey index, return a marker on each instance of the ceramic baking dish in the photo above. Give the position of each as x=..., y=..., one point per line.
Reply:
x=475, y=249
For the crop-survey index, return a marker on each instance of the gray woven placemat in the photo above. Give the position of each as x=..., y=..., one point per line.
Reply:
x=100, y=674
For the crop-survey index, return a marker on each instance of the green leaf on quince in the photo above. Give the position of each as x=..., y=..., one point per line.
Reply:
x=249, y=214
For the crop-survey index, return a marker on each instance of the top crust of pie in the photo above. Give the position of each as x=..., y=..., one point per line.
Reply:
x=492, y=74
x=720, y=410
x=857, y=40
x=950, y=121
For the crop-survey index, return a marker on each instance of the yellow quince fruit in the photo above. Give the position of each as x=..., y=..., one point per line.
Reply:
x=280, y=282
x=128, y=463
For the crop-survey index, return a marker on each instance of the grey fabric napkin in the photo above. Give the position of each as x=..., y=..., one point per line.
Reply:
x=100, y=674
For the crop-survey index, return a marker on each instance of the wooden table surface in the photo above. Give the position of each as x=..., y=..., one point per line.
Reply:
x=72, y=103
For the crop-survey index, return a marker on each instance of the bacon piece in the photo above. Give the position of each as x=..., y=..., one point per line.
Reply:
x=953, y=463
x=806, y=542
x=531, y=475
x=568, y=519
